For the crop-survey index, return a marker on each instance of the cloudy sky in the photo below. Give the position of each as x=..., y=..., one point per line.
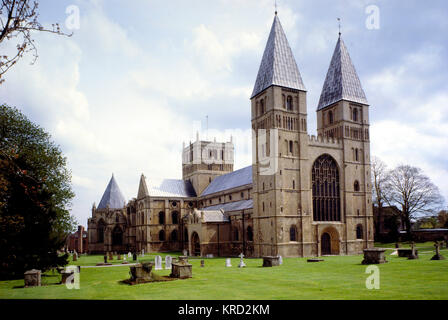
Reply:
x=138, y=78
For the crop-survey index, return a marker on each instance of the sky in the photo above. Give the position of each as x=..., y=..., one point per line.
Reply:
x=137, y=79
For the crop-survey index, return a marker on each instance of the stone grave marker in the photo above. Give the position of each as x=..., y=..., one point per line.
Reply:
x=437, y=256
x=414, y=254
x=228, y=262
x=143, y=252
x=185, y=252
x=129, y=254
x=158, y=263
x=32, y=278
x=111, y=256
x=168, y=262
x=134, y=256
x=119, y=257
x=210, y=255
x=241, y=264
x=202, y=263
x=280, y=260
x=75, y=256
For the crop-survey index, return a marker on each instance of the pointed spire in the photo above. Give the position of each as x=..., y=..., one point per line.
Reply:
x=278, y=66
x=142, y=189
x=112, y=197
x=342, y=81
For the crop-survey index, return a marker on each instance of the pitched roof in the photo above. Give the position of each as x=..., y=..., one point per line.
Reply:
x=278, y=66
x=215, y=216
x=342, y=81
x=232, y=206
x=173, y=188
x=142, y=188
x=112, y=197
x=230, y=180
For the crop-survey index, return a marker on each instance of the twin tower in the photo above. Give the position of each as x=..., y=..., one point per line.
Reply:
x=311, y=194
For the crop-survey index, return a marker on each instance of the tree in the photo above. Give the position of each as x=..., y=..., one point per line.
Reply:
x=18, y=19
x=35, y=194
x=409, y=188
x=380, y=176
x=442, y=219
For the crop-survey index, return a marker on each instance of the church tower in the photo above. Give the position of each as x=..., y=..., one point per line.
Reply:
x=203, y=161
x=279, y=135
x=343, y=114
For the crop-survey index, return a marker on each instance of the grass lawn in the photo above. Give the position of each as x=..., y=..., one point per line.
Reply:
x=338, y=277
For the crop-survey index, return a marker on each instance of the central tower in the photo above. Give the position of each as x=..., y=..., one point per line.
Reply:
x=279, y=133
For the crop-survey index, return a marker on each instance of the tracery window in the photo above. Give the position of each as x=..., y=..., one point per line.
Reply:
x=326, y=192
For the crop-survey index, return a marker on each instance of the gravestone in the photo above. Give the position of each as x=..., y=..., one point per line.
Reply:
x=129, y=254
x=158, y=263
x=280, y=260
x=270, y=261
x=315, y=260
x=241, y=264
x=210, y=255
x=414, y=254
x=228, y=262
x=374, y=256
x=75, y=256
x=141, y=272
x=143, y=252
x=119, y=257
x=65, y=274
x=168, y=262
x=134, y=256
x=32, y=278
x=181, y=269
x=105, y=258
x=437, y=256
x=397, y=245
x=185, y=252
x=202, y=263
x=111, y=256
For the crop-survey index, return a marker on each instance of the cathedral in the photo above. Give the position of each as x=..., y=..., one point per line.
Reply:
x=303, y=195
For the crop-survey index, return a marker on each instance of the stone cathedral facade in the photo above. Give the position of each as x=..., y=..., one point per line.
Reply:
x=304, y=195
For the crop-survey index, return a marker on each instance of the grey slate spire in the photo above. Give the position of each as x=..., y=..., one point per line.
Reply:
x=112, y=197
x=142, y=189
x=342, y=81
x=278, y=66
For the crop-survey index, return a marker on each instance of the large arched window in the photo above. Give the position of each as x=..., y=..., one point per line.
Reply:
x=117, y=236
x=100, y=229
x=174, y=235
x=359, y=231
x=162, y=235
x=293, y=233
x=250, y=234
x=326, y=193
x=175, y=217
x=161, y=217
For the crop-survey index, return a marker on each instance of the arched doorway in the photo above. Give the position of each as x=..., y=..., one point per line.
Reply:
x=329, y=241
x=195, y=244
x=326, y=244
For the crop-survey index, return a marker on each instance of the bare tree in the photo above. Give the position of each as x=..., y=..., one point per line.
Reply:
x=380, y=176
x=414, y=192
x=18, y=19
